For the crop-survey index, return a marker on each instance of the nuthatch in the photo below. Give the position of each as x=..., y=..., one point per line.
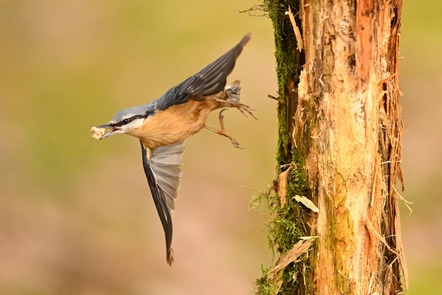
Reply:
x=163, y=124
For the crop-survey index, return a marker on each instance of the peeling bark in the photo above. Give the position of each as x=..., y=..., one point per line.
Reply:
x=342, y=116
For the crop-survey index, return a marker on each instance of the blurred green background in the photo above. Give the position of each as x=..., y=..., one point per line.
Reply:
x=76, y=215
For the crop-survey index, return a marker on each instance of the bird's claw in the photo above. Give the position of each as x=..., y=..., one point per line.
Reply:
x=236, y=144
x=243, y=108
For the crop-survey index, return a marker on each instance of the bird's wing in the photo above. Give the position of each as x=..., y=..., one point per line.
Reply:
x=210, y=80
x=163, y=172
x=167, y=164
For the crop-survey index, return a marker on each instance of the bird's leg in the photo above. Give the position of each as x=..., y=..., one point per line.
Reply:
x=222, y=131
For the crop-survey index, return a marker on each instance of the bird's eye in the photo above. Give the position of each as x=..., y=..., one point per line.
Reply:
x=126, y=121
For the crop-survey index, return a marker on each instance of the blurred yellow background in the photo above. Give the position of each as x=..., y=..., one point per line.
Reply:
x=76, y=215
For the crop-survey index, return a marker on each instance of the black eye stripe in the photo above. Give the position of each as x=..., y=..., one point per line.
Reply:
x=126, y=121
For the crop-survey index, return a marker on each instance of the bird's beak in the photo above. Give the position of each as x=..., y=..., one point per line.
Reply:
x=112, y=132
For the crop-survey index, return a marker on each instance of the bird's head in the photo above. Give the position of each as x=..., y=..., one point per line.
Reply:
x=127, y=121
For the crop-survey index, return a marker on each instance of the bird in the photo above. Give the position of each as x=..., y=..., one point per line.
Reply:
x=163, y=124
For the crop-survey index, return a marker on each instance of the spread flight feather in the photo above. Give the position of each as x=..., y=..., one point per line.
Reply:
x=164, y=168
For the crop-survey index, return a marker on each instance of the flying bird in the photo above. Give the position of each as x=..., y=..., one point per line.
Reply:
x=163, y=124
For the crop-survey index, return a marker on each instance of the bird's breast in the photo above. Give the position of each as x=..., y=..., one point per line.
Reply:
x=175, y=123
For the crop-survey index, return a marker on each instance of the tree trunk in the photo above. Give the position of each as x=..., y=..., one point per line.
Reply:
x=335, y=214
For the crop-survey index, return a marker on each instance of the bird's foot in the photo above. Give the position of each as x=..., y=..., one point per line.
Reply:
x=243, y=108
x=222, y=131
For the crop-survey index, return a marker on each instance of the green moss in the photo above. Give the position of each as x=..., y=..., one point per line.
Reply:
x=283, y=135
x=285, y=230
x=288, y=61
x=289, y=222
x=263, y=284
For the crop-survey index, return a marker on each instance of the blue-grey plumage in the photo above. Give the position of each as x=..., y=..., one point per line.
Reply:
x=208, y=81
x=163, y=124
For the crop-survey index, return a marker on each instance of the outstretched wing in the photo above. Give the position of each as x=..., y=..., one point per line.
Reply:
x=167, y=164
x=163, y=172
x=210, y=80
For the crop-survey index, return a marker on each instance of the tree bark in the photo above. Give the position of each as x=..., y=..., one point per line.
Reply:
x=336, y=216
